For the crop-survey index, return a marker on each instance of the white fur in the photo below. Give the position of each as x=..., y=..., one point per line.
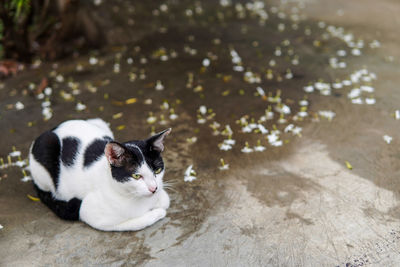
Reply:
x=107, y=204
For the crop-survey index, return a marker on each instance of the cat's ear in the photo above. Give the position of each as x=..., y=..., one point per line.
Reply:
x=156, y=142
x=115, y=154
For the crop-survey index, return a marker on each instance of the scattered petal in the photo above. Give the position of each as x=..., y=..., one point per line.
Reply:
x=26, y=179
x=15, y=154
x=370, y=101
x=121, y=127
x=201, y=120
x=262, y=129
x=308, y=89
x=225, y=147
x=358, y=101
x=272, y=138
x=173, y=116
x=151, y=119
x=348, y=165
x=229, y=142
x=203, y=110
x=93, y=61
x=246, y=149
x=289, y=128
x=190, y=174
x=388, y=139
x=191, y=140
x=328, y=114
x=368, y=89
x=130, y=101
x=397, y=114
x=206, y=62
x=117, y=115
x=79, y=106
x=159, y=86
x=223, y=166
x=277, y=143
x=259, y=148
x=33, y=198
x=19, y=105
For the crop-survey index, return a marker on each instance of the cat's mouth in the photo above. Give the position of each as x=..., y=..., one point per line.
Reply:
x=150, y=194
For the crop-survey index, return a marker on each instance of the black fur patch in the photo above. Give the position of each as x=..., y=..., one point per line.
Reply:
x=94, y=152
x=107, y=138
x=120, y=174
x=133, y=159
x=46, y=150
x=70, y=146
x=67, y=210
x=152, y=157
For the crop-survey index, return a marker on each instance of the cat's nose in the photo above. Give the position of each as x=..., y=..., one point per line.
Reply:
x=153, y=189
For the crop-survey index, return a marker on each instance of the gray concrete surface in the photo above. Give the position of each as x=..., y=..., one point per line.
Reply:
x=295, y=205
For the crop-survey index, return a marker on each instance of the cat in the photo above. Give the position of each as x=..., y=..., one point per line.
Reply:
x=81, y=173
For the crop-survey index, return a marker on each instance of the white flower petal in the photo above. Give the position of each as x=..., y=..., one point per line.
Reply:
x=388, y=139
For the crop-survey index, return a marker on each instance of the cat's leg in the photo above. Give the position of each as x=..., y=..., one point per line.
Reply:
x=163, y=200
x=102, y=218
x=93, y=213
x=133, y=224
x=139, y=223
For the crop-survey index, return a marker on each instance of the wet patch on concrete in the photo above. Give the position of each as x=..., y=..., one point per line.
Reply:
x=278, y=188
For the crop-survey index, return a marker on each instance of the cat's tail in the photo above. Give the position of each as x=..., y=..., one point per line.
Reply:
x=67, y=210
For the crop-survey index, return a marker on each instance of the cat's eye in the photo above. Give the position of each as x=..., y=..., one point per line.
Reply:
x=158, y=170
x=136, y=176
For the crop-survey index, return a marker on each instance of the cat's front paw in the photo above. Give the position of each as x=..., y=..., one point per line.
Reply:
x=158, y=214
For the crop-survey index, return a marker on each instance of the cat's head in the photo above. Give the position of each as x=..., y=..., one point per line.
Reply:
x=138, y=165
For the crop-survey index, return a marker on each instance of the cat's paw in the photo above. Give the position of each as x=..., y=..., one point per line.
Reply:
x=158, y=214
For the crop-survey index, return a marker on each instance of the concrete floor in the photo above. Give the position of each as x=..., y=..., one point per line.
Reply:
x=295, y=205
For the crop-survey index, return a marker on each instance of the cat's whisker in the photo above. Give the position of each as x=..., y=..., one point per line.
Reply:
x=174, y=181
x=171, y=181
x=168, y=187
x=171, y=189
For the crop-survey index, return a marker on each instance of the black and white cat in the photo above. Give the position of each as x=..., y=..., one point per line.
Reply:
x=79, y=172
